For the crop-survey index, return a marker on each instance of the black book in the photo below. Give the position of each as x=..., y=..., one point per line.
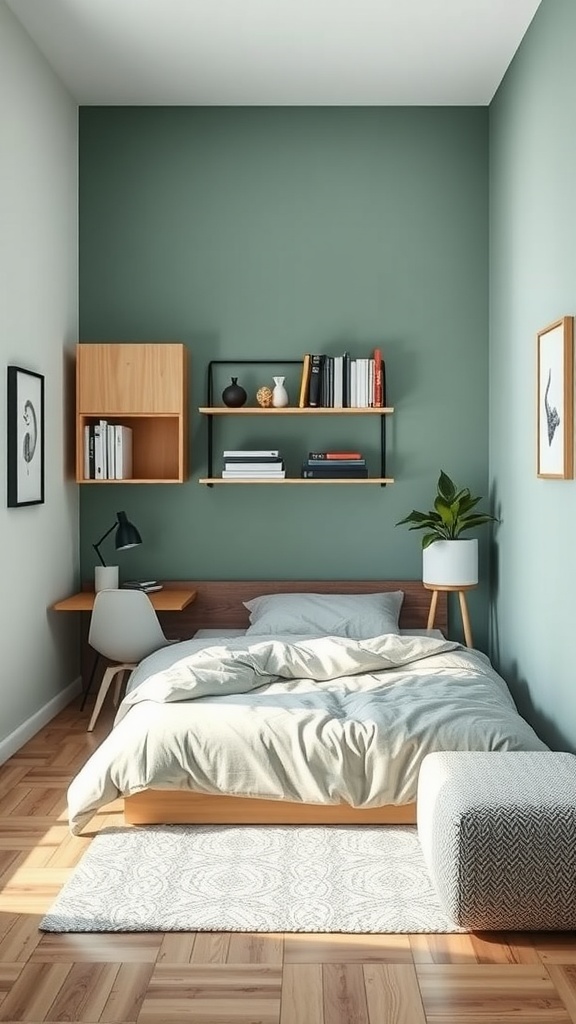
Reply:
x=270, y=459
x=315, y=389
x=330, y=361
x=346, y=380
x=91, y=453
x=336, y=473
x=325, y=388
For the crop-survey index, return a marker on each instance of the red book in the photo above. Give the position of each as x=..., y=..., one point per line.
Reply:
x=378, y=379
x=333, y=455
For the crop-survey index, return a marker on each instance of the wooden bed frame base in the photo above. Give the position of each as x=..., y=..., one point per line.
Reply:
x=162, y=806
x=219, y=603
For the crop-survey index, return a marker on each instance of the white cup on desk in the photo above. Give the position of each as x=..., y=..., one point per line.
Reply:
x=106, y=577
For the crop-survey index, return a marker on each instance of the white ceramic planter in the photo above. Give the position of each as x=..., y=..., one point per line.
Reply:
x=451, y=563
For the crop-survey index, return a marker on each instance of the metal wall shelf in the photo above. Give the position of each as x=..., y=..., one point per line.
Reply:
x=210, y=410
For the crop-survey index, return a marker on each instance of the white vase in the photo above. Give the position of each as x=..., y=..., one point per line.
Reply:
x=279, y=393
x=451, y=563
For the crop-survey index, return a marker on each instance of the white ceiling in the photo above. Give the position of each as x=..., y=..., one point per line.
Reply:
x=276, y=52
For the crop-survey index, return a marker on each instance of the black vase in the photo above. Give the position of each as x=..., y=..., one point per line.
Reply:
x=234, y=395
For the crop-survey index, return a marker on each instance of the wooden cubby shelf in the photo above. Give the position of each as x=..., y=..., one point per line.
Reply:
x=142, y=386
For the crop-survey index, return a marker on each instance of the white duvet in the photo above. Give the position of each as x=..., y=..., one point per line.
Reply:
x=316, y=720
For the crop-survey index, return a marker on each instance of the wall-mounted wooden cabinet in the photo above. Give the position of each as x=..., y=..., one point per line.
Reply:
x=143, y=386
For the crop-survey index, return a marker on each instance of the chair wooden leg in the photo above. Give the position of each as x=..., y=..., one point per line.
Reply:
x=104, y=687
x=122, y=680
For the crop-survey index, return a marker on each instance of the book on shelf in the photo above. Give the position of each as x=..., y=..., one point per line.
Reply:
x=334, y=464
x=88, y=452
x=378, y=379
x=317, y=472
x=254, y=467
x=346, y=380
x=333, y=456
x=148, y=586
x=304, y=381
x=315, y=389
x=252, y=474
x=122, y=452
x=98, y=456
x=257, y=460
x=242, y=453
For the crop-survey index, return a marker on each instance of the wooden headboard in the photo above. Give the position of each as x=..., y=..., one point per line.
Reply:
x=219, y=602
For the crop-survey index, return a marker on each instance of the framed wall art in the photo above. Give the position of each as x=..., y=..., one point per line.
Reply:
x=555, y=400
x=25, y=435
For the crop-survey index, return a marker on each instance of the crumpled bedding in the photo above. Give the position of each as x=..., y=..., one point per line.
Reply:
x=313, y=720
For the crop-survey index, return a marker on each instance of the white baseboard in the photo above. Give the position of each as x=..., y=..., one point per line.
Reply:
x=28, y=729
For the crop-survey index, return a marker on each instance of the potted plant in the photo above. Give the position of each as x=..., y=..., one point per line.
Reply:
x=448, y=560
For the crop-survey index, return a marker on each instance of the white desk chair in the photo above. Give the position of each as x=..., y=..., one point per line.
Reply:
x=124, y=628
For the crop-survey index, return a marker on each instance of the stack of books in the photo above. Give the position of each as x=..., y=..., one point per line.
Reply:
x=334, y=466
x=148, y=586
x=245, y=464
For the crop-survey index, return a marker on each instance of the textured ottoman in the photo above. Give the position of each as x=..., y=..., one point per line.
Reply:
x=498, y=834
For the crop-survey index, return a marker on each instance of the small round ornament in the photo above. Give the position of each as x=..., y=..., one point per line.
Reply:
x=264, y=397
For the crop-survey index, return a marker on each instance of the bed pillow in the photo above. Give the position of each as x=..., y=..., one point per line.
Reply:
x=357, y=616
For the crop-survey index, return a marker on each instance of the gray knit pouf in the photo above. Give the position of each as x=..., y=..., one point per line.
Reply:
x=498, y=834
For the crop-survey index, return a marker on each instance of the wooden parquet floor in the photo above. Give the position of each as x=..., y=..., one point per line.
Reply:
x=235, y=978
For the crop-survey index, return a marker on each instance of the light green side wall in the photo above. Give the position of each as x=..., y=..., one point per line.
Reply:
x=267, y=233
x=532, y=283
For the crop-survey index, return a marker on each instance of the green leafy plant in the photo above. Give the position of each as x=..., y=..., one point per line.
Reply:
x=451, y=516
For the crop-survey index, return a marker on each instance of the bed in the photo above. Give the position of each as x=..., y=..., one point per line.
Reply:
x=255, y=725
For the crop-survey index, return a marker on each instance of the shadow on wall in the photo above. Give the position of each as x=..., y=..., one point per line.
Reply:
x=546, y=729
x=517, y=684
x=495, y=506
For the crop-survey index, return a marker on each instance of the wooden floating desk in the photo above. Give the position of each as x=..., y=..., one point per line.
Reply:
x=164, y=600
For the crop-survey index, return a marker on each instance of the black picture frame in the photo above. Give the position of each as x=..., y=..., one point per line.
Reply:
x=25, y=437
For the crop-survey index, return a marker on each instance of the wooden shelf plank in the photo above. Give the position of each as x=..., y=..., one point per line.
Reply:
x=254, y=410
x=298, y=480
x=133, y=480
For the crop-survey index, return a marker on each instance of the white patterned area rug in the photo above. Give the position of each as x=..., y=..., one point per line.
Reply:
x=257, y=878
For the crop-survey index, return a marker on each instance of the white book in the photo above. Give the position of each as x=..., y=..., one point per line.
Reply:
x=248, y=454
x=252, y=470
x=371, y=382
x=110, y=451
x=123, y=452
x=364, y=394
x=256, y=474
x=353, y=383
x=266, y=467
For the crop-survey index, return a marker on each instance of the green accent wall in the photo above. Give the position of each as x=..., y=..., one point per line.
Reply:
x=269, y=232
x=533, y=283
